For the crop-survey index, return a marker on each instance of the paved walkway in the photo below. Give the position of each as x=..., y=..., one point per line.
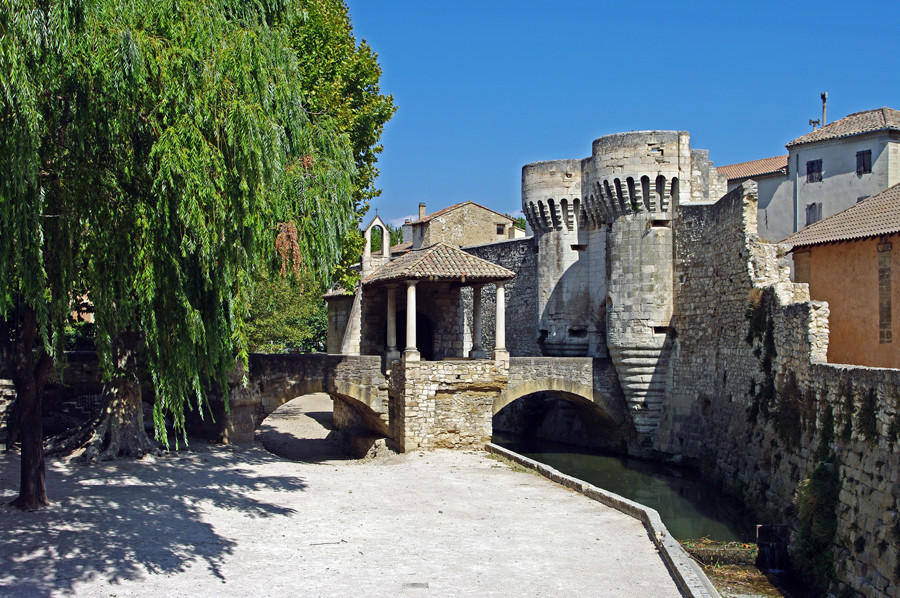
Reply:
x=225, y=521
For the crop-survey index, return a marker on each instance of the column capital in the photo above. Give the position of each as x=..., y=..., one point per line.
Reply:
x=411, y=283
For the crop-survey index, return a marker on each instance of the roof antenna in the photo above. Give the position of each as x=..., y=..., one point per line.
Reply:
x=817, y=122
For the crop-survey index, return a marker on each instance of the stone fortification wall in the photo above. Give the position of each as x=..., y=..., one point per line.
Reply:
x=753, y=398
x=603, y=226
x=446, y=404
x=571, y=272
x=521, y=294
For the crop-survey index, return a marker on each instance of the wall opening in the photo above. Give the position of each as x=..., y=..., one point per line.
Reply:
x=559, y=417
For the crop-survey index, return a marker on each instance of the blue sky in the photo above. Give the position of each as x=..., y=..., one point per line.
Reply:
x=483, y=88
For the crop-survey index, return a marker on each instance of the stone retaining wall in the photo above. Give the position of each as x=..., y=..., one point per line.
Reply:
x=751, y=393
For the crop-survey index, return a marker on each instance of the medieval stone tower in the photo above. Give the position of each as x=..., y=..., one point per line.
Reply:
x=603, y=228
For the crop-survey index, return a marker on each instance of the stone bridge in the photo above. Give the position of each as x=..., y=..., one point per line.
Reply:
x=425, y=404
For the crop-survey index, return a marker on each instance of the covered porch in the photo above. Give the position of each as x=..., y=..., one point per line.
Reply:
x=413, y=308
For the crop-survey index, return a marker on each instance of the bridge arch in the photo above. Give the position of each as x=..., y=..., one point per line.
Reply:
x=566, y=389
x=355, y=384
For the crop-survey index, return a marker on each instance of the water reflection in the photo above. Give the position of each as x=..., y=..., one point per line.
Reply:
x=689, y=506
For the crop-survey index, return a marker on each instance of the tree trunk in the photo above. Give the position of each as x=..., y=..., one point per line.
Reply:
x=29, y=377
x=118, y=431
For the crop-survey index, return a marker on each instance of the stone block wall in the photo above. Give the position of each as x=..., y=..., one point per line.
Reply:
x=752, y=396
x=7, y=396
x=444, y=404
x=520, y=256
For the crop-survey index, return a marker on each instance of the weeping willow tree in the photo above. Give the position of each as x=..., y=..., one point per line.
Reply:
x=181, y=161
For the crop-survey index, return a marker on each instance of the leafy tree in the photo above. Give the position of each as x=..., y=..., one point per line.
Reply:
x=287, y=317
x=341, y=79
x=149, y=152
x=518, y=221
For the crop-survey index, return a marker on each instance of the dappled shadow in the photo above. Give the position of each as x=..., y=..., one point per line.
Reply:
x=120, y=520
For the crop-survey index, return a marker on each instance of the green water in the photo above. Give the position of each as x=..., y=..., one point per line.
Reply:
x=689, y=506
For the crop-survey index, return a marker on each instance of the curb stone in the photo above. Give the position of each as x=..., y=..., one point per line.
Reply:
x=688, y=575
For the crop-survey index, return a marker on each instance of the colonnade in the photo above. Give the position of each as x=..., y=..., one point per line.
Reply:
x=411, y=353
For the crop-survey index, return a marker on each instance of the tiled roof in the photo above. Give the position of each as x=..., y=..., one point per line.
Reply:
x=746, y=170
x=401, y=248
x=453, y=207
x=439, y=262
x=872, y=217
x=857, y=123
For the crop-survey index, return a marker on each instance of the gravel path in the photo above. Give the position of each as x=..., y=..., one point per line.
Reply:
x=230, y=521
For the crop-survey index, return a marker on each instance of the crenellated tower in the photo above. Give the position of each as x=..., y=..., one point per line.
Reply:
x=603, y=227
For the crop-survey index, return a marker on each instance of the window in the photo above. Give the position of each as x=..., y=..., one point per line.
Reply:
x=501, y=229
x=863, y=162
x=814, y=171
x=813, y=213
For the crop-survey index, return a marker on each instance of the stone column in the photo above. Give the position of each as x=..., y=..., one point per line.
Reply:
x=477, y=351
x=411, y=353
x=392, y=353
x=500, y=352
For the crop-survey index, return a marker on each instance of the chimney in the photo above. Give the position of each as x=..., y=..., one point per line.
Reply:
x=421, y=210
x=824, y=97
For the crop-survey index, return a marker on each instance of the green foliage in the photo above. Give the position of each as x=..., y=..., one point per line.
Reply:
x=396, y=237
x=817, y=505
x=518, y=221
x=826, y=437
x=341, y=83
x=287, y=317
x=80, y=336
x=150, y=151
x=868, y=425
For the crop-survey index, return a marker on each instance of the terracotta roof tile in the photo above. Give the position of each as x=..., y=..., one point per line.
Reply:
x=857, y=123
x=401, y=248
x=872, y=217
x=439, y=262
x=746, y=170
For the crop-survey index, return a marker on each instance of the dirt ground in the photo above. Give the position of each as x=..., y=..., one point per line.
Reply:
x=240, y=521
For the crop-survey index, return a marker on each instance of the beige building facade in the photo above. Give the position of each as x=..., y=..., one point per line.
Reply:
x=461, y=224
x=851, y=260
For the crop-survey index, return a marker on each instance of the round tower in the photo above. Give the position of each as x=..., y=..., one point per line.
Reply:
x=633, y=181
x=571, y=264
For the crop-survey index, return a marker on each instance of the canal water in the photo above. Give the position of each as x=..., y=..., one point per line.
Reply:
x=690, y=507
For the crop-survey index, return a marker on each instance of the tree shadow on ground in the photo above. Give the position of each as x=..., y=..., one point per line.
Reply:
x=306, y=450
x=119, y=520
